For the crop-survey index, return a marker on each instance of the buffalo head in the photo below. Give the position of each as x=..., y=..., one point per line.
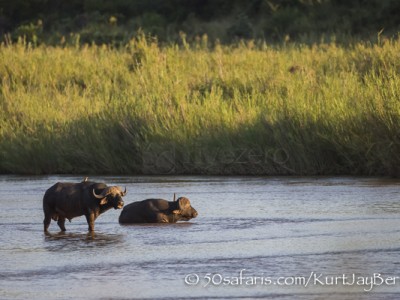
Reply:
x=111, y=195
x=185, y=211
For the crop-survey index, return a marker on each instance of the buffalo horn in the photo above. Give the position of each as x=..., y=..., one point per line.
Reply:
x=110, y=190
x=100, y=196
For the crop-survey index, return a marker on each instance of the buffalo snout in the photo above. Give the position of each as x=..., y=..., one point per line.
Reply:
x=189, y=214
x=120, y=204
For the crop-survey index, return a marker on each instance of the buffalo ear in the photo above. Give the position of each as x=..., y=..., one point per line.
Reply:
x=103, y=201
x=184, y=203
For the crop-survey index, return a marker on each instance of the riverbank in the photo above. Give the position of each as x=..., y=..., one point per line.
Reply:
x=247, y=109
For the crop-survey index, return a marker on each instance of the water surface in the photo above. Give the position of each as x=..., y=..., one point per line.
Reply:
x=250, y=233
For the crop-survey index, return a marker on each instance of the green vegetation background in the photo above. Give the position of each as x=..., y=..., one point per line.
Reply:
x=324, y=98
x=117, y=21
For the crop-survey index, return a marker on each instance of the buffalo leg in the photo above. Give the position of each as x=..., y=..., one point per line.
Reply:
x=90, y=220
x=61, y=223
x=46, y=222
x=160, y=218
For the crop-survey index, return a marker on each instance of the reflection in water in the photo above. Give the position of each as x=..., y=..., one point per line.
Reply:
x=386, y=207
x=66, y=241
x=161, y=225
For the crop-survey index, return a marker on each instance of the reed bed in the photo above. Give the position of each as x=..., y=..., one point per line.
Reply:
x=249, y=108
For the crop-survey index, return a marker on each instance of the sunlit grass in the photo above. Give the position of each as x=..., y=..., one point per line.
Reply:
x=243, y=109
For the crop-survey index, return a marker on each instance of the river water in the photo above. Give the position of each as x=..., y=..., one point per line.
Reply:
x=272, y=237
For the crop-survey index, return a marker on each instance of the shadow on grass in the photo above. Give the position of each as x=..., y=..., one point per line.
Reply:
x=102, y=145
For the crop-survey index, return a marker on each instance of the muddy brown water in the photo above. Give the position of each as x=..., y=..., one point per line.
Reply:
x=273, y=237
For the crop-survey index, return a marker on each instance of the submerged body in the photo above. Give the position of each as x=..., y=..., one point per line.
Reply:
x=158, y=211
x=69, y=200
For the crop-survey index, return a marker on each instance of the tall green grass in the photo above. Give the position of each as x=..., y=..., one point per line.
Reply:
x=242, y=109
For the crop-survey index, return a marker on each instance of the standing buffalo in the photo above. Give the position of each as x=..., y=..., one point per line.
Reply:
x=158, y=211
x=69, y=200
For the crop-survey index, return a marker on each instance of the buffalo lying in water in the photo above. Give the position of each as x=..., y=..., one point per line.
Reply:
x=69, y=200
x=158, y=211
